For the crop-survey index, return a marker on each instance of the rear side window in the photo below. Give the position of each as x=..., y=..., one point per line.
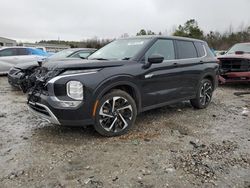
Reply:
x=8, y=52
x=162, y=47
x=22, y=51
x=186, y=49
x=200, y=49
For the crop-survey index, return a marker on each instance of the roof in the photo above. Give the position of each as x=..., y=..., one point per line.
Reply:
x=87, y=49
x=163, y=37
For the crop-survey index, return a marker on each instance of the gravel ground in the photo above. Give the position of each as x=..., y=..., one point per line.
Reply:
x=174, y=146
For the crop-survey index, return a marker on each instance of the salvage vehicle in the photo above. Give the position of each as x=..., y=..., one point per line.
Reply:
x=19, y=73
x=235, y=64
x=10, y=56
x=122, y=79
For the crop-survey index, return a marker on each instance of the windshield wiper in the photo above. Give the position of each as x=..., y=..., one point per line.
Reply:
x=126, y=58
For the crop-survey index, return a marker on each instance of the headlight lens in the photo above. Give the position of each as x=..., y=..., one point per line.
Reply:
x=75, y=90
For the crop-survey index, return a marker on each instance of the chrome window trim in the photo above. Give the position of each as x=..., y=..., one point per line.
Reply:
x=189, y=58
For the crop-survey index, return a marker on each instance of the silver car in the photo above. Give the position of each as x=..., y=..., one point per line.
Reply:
x=10, y=56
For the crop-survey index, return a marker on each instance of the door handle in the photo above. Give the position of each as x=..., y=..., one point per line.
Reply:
x=176, y=64
x=201, y=62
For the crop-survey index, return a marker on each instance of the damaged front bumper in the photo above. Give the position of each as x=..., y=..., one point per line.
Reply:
x=43, y=112
x=232, y=77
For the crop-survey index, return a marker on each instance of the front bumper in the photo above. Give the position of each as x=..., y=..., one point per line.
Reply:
x=45, y=107
x=43, y=112
x=232, y=77
x=14, y=79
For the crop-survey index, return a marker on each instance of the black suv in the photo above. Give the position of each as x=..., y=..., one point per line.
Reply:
x=122, y=79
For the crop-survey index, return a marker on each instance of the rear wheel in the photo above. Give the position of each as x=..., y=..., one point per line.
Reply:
x=203, y=95
x=116, y=113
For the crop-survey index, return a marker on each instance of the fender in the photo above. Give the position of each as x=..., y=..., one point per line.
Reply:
x=115, y=81
x=209, y=73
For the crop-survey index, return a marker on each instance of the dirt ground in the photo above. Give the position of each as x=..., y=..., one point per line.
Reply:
x=174, y=146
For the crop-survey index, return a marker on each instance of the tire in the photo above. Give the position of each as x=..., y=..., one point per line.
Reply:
x=203, y=94
x=118, y=119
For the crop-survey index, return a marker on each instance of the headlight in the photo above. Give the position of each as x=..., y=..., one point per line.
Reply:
x=75, y=90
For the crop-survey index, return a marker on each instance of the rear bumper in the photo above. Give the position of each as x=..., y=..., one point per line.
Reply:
x=232, y=77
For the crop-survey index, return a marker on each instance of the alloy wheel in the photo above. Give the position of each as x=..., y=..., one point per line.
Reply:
x=115, y=114
x=206, y=93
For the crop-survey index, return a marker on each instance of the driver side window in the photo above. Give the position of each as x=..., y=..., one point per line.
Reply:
x=162, y=47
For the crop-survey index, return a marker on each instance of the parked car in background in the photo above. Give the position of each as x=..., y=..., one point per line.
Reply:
x=122, y=79
x=11, y=56
x=18, y=73
x=235, y=64
x=219, y=52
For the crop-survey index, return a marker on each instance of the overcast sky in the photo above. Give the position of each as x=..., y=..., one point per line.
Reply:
x=34, y=20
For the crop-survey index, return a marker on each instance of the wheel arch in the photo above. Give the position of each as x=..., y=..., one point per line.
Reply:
x=210, y=76
x=124, y=84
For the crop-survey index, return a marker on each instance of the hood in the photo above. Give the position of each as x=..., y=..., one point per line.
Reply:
x=235, y=56
x=81, y=64
x=32, y=64
x=27, y=65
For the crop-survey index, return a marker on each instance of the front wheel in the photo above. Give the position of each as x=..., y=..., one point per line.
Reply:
x=203, y=94
x=116, y=113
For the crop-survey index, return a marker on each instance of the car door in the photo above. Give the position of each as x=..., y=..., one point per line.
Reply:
x=8, y=56
x=27, y=55
x=189, y=65
x=161, y=82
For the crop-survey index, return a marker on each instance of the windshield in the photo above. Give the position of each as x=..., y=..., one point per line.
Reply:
x=244, y=47
x=62, y=54
x=122, y=49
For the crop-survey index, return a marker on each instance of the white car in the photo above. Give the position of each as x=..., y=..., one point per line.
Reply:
x=10, y=56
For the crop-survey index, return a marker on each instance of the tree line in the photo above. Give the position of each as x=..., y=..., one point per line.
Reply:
x=216, y=40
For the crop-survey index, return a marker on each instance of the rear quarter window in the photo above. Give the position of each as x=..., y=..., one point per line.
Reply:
x=186, y=49
x=200, y=49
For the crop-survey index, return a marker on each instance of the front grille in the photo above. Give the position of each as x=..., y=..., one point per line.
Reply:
x=39, y=109
x=235, y=65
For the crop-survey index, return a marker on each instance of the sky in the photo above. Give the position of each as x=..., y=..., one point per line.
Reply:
x=35, y=20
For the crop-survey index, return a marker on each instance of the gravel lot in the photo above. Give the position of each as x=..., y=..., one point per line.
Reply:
x=169, y=147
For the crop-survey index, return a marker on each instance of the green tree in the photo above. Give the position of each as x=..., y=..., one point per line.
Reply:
x=189, y=29
x=141, y=32
x=144, y=32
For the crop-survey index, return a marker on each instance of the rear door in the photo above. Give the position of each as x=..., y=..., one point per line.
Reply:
x=8, y=56
x=190, y=65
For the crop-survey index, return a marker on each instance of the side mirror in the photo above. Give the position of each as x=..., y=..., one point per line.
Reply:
x=155, y=59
